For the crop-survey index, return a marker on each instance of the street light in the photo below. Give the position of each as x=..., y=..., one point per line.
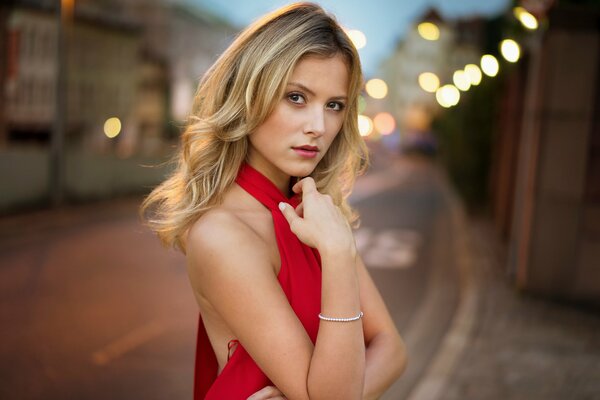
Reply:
x=365, y=125
x=112, y=127
x=358, y=38
x=428, y=31
x=384, y=123
x=474, y=74
x=489, y=65
x=461, y=80
x=376, y=88
x=510, y=50
x=527, y=19
x=57, y=145
x=447, y=96
x=429, y=82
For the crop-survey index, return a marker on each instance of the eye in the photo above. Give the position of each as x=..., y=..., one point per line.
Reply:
x=336, y=106
x=296, y=98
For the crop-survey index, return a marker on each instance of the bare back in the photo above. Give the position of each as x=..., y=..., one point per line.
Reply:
x=252, y=222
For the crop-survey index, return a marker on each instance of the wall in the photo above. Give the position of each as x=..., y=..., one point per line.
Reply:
x=555, y=246
x=25, y=178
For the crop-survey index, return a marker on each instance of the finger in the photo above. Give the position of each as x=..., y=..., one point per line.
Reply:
x=288, y=212
x=300, y=210
x=305, y=185
x=268, y=392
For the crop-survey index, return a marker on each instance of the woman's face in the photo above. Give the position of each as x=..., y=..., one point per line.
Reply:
x=296, y=136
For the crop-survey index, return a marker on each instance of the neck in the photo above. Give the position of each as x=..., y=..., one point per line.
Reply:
x=278, y=178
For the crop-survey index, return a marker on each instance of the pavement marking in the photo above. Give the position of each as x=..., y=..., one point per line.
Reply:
x=129, y=342
x=454, y=342
x=388, y=248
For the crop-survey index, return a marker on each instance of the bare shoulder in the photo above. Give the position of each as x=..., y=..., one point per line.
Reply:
x=218, y=227
x=221, y=239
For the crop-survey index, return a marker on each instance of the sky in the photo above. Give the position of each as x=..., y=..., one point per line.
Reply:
x=384, y=22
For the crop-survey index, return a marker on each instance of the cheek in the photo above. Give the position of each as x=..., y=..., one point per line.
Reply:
x=281, y=121
x=333, y=128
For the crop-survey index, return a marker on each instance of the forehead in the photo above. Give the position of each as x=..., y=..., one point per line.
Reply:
x=322, y=74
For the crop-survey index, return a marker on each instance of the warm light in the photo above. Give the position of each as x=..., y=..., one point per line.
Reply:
x=447, y=96
x=112, y=127
x=358, y=38
x=474, y=74
x=489, y=65
x=428, y=31
x=66, y=9
x=362, y=104
x=461, y=80
x=429, y=82
x=510, y=50
x=384, y=123
x=376, y=88
x=365, y=125
x=528, y=20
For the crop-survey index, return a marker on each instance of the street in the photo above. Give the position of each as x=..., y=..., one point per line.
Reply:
x=93, y=307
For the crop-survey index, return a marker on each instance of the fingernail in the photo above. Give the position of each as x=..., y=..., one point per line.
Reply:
x=282, y=206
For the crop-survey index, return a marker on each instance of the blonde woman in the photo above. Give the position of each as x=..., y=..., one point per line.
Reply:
x=258, y=205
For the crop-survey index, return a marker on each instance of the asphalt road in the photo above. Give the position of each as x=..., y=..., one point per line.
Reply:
x=92, y=307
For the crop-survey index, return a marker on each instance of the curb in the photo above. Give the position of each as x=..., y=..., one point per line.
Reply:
x=431, y=385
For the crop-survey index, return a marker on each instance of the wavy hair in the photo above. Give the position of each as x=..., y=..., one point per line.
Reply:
x=234, y=97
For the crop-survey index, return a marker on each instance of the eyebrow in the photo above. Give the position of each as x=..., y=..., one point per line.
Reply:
x=301, y=86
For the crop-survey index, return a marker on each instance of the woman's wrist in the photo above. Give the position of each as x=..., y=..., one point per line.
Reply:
x=335, y=251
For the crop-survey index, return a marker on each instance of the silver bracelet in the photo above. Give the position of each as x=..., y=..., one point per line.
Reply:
x=331, y=319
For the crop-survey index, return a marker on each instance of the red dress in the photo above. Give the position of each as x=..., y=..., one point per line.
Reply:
x=300, y=279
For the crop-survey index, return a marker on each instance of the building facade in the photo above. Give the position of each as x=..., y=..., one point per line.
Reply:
x=456, y=46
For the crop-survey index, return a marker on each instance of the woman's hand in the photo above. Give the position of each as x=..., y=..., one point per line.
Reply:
x=268, y=392
x=317, y=221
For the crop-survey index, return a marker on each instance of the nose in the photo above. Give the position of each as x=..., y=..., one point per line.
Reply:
x=315, y=122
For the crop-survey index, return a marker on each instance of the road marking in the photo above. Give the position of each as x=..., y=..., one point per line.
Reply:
x=388, y=248
x=128, y=342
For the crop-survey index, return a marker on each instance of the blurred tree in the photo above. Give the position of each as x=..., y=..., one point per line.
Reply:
x=466, y=132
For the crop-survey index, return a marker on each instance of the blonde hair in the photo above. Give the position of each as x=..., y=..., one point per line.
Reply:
x=235, y=96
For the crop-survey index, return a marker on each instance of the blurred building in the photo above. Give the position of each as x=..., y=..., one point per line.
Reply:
x=101, y=66
x=179, y=43
x=546, y=186
x=137, y=60
x=452, y=45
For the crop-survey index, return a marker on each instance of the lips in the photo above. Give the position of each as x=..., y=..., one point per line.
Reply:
x=307, y=148
x=306, y=151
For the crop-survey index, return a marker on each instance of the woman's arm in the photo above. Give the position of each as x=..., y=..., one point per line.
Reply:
x=230, y=266
x=385, y=354
x=338, y=363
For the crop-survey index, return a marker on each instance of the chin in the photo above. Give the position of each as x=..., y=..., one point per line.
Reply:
x=301, y=170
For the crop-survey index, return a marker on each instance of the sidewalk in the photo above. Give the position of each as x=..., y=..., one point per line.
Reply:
x=522, y=347
x=506, y=345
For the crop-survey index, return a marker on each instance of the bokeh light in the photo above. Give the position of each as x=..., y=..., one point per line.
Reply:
x=429, y=31
x=376, y=88
x=527, y=19
x=474, y=74
x=461, y=80
x=112, y=127
x=358, y=38
x=365, y=125
x=447, y=96
x=489, y=65
x=429, y=82
x=384, y=123
x=510, y=50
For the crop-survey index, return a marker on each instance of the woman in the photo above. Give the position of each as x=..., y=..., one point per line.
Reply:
x=287, y=307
